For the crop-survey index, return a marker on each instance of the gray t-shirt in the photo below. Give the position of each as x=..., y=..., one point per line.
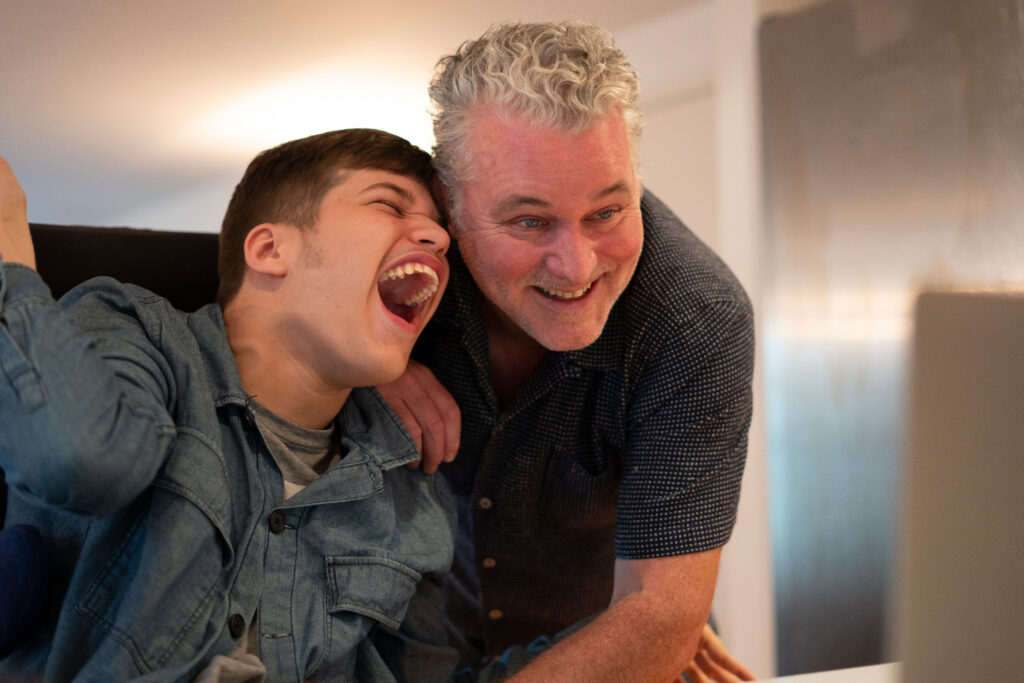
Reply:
x=302, y=454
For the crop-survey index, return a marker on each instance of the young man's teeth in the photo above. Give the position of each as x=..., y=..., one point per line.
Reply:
x=562, y=294
x=399, y=272
x=424, y=294
x=403, y=271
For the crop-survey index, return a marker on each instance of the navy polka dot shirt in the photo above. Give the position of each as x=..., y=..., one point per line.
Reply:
x=633, y=447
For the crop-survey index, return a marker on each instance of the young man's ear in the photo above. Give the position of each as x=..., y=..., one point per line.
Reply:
x=266, y=249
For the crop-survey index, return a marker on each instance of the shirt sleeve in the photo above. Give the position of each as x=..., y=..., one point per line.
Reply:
x=83, y=395
x=686, y=441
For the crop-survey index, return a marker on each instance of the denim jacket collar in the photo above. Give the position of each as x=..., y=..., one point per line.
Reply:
x=365, y=417
x=208, y=325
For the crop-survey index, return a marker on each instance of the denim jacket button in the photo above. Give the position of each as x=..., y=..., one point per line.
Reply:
x=277, y=523
x=236, y=625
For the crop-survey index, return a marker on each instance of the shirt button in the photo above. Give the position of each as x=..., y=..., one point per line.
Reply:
x=236, y=625
x=490, y=562
x=277, y=523
x=495, y=614
x=485, y=503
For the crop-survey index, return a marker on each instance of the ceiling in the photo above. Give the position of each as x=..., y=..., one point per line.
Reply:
x=109, y=106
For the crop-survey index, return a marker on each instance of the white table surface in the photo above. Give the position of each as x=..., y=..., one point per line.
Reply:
x=881, y=673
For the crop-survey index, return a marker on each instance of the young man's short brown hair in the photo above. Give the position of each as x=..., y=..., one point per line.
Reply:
x=287, y=183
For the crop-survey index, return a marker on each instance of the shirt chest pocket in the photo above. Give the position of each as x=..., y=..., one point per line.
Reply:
x=580, y=486
x=363, y=591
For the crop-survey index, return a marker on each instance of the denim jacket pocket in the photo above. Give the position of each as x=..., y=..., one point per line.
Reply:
x=374, y=587
x=161, y=600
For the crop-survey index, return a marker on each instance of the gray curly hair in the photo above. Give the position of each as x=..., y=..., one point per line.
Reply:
x=561, y=75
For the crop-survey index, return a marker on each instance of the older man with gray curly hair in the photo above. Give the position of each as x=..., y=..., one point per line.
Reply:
x=601, y=357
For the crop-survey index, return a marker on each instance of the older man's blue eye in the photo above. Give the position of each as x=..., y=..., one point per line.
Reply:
x=530, y=222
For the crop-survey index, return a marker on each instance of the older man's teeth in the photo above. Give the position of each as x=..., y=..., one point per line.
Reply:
x=565, y=294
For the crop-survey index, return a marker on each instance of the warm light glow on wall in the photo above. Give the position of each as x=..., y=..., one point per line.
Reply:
x=842, y=316
x=327, y=98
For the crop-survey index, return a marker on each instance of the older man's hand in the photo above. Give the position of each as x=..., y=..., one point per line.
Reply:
x=715, y=663
x=428, y=412
x=15, y=238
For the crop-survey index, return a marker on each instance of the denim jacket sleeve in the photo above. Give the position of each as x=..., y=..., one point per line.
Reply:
x=83, y=394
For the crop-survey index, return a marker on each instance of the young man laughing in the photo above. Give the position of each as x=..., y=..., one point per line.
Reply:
x=219, y=499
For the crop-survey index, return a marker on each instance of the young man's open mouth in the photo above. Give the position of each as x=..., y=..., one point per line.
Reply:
x=408, y=288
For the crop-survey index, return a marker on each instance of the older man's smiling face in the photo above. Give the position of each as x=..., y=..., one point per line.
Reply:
x=550, y=225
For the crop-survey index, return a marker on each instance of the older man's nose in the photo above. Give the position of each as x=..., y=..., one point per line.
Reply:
x=571, y=256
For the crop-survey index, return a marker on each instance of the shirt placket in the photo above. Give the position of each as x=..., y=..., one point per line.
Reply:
x=491, y=516
x=280, y=528
x=277, y=643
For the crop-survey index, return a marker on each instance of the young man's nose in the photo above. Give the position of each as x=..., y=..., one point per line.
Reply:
x=429, y=233
x=571, y=255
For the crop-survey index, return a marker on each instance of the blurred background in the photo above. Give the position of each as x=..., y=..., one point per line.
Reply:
x=841, y=155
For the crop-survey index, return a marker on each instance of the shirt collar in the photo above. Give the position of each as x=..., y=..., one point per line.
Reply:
x=368, y=421
x=208, y=325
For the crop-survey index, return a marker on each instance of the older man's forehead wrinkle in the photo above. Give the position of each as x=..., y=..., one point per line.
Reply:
x=516, y=201
x=615, y=188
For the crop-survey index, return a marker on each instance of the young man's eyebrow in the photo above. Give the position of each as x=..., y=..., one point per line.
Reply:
x=384, y=185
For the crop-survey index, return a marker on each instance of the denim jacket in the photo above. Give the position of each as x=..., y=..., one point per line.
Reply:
x=127, y=438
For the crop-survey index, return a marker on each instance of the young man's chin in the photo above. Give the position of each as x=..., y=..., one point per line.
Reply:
x=382, y=370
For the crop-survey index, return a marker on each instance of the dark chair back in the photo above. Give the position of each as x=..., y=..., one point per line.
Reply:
x=181, y=266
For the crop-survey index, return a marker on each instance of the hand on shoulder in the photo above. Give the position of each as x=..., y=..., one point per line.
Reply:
x=428, y=412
